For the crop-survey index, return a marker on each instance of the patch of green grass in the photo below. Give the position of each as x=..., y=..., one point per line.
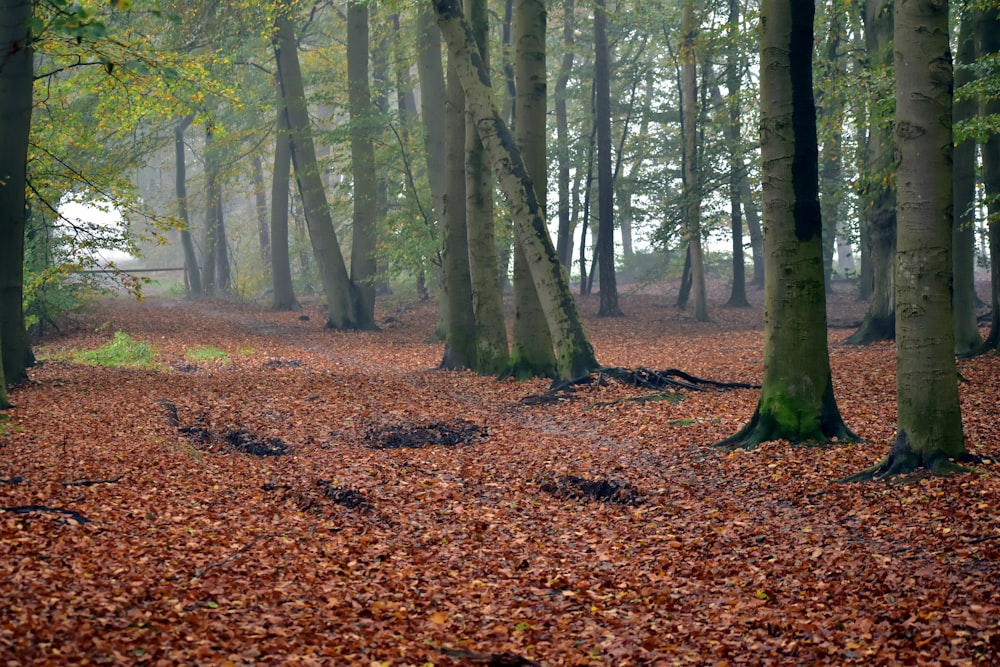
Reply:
x=206, y=353
x=247, y=351
x=7, y=426
x=121, y=351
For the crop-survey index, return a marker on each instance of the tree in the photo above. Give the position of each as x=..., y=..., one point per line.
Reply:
x=574, y=353
x=531, y=349
x=281, y=268
x=988, y=46
x=346, y=309
x=192, y=273
x=16, y=84
x=605, y=181
x=797, y=400
x=929, y=417
x=878, y=190
x=564, y=235
x=737, y=169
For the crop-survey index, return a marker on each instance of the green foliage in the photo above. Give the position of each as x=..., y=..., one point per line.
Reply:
x=122, y=351
x=207, y=353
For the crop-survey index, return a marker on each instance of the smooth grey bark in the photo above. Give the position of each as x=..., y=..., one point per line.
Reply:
x=343, y=301
x=493, y=357
x=281, y=266
x=432, y=103
x=364, y=232
x=988, y=44
x=737, y=168
x=797, y=401
x=531, y=348
x=260, y=206
x=192, y=273
x=574, y=353
x=692, y=172
x=564, y=235
x=605, y=180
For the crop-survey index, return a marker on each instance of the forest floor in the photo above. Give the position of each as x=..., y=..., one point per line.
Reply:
x=322, y=497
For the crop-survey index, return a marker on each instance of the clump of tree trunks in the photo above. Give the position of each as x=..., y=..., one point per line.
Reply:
x=641, y=377
x=612, y=492
x=414, y=436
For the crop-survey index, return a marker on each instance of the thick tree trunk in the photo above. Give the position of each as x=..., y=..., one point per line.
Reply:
x=343, y=301
x=531, y=349
x=967, y=338
x=191, y=270
x=928, y=413
x=281, y=266
x=16, y=81
x=493, y=356
x=605, y=179
x=574, y=353
x=365, y=196
x=460, y=332
x=797, y=401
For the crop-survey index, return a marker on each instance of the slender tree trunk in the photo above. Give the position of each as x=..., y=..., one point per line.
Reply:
x=260, y=205
x=564, y=236
x=797, y=401
x=692, y=174
x=988, y=44
x=574, y=353
x=605, y=180
x=210, y=242
x=365, y=197
x=16, y=82
x=343, y=300
x=831, y=111
x=281, y=266
x=734, y=84
x=191, y=271
x=460, y=334
x=531, y=352
x=928, y=413
x=491, y=329
x=878, y=190
x=222, y=247
x=967, y=338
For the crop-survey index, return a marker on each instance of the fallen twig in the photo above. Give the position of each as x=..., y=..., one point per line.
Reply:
x=28, y=509
x=13, y=480
x=92, y=482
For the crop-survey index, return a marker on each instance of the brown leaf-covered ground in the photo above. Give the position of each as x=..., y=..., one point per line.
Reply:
x=174, y=545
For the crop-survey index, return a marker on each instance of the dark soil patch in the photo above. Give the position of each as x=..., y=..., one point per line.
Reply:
x=278, y=363
x=249, y=443
x=413, y=436
x=344, y=496
x=609, y=491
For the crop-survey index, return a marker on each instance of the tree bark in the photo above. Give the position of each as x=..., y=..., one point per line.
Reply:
x=605, y=179
x=191, y=270
x=343, y=301
x=737, y=168
x=260, y=206
x=929, y=417
x=574, y=353
x=281, y=266
x=797, y=401
x=988, y=44
x=564, y=235
x=531, y=349
x=692, y=176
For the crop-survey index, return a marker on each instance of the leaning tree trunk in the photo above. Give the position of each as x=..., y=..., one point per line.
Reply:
x=343, y=300
x=574, y=353
x=531, y=349
x=928, y=413
x=797, y=401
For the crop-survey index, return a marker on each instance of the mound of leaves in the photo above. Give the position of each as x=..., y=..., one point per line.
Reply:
x=414, y=436
x=344, y=496
x=250, y=443
x=613, y=492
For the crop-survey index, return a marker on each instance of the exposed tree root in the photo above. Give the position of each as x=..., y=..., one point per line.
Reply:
x=908, y=462
x=92, y=482
x=641, y=377
x=765, y=428
x=30, y=509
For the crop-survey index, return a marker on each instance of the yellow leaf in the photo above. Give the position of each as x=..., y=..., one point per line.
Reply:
x=438, y=618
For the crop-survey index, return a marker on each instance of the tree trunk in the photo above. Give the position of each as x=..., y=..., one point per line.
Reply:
x=531, y=350
x=692, y=175
x=737, y=168
x=967, y=338
x=460, y=332
x=929, y=417
x=16, y=82
x=797, y=401
x=574, y=353
x=210, y=242
x=281, y=266
x=831, y=111
x=493, y=356
x=344, y=304
x=878, y=190
x=605, y=180
x=365, y=196
x=191, y=271
x=432, y=104
x=564, y=235
x=988, y=44
x=260, y=205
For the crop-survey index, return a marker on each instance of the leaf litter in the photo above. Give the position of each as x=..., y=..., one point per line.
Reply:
x=524, y=541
